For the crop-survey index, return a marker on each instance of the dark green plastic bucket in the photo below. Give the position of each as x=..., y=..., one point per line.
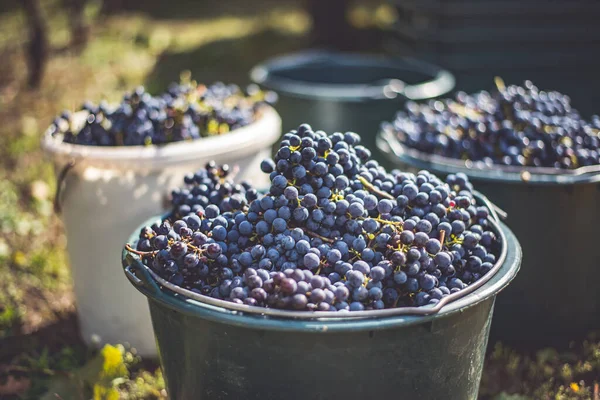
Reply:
x=214, y=352
x=347, y=92
x=556, y=216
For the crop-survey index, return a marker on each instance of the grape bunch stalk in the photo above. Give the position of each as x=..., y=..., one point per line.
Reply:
x=513, y=125
x=334, y=232
x=186, y=111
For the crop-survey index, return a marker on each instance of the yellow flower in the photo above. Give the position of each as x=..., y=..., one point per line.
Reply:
x=19, y=258
x=574, y=387
x=113, y=362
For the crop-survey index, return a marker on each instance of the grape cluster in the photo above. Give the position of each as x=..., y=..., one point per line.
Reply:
x=186, y=111
x=336, y=231
x=514, y=125
x=211, y=185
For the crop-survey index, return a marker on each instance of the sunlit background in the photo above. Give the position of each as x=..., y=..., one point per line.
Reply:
x=56, y=54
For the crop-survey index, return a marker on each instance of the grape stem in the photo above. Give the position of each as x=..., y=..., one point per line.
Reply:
x=373, y=189
x=499, y=84
x=442, y=237
x=140, y=253
x=316, y=235
x=196, y=249
x=454, y=240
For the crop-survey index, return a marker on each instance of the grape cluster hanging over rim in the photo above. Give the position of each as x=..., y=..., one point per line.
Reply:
x=186, y=111
x=336, y=231
x=514, y=126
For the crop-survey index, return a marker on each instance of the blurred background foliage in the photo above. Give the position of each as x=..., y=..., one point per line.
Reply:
x=56, y=54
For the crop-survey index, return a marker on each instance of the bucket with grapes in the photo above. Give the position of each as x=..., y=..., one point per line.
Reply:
x=343, y=280
x=346, y=91
x=538, y=159
x=115, y=167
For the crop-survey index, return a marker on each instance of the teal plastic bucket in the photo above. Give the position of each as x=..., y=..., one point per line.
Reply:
x=216, y=350
x=336, y=91
x=555, y=214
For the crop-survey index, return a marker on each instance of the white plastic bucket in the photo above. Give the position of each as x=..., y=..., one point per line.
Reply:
x=107, y=192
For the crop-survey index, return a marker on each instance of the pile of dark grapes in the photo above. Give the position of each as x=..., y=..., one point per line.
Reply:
x=336, y=231
x=514, y=125
x=211, y=185
x=186, y=111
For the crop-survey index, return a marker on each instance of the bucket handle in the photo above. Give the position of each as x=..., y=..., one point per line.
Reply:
x=496, y=212
x=60, y=181
x=442, y=82
x=139, y=276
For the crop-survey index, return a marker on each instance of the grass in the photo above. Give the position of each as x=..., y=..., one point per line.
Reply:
x=40, y=350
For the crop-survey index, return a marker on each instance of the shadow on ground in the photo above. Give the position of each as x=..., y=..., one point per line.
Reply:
x=64, y=331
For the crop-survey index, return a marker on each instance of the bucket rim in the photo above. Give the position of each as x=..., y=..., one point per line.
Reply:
x=441, y=81
x=397, y=152
x=265, y=130
x=144, y=279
